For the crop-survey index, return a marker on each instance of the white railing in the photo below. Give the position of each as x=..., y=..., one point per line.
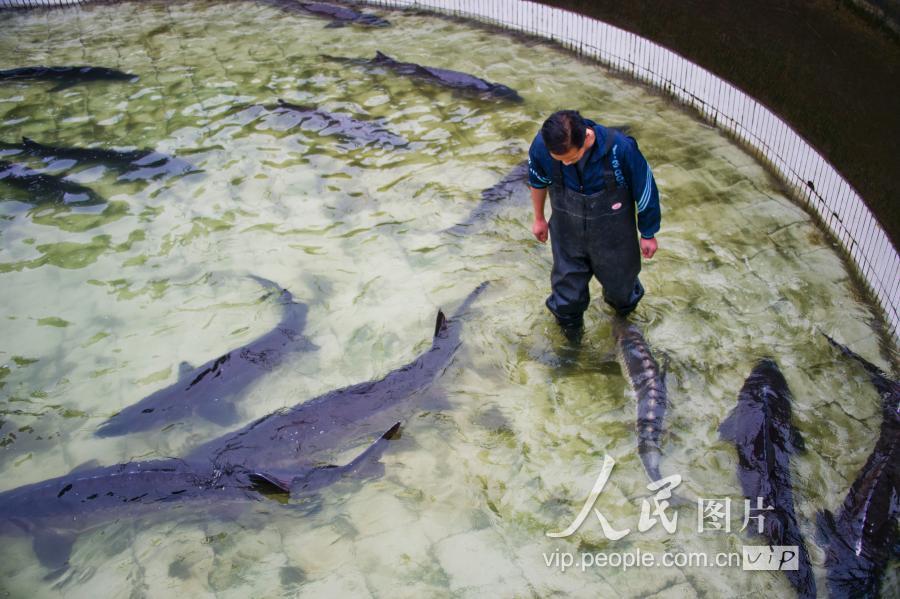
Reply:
x=37, y=3
x=809, y=177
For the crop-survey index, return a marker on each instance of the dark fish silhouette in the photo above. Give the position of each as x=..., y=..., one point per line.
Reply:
x=444, y=77
x=279, y=453
x=133, y=164
x=339, y=15
x=293, y=436
x=649, y=385
x=761, y=429
x=67, y=76
x=211, y=390
x=45, y=188
x=355, y=133
x=54, y=512
x=863, y=538
x=492, y=198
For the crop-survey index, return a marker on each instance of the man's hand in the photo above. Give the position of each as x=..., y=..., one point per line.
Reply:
x=648, y=247
x=539, y=228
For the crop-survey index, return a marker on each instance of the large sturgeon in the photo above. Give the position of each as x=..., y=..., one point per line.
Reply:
x=326, y=123
x=649, y=385
x=132, y=164
x=494, y=197
x=863, y=538
x=54, y=512
x=456, y=80
x=281, y=453
x=45, y=188
x=339, y=15
x=287, y=437
x=761, y=429
x=356, y=133
x=211, y=389
x=65, y=76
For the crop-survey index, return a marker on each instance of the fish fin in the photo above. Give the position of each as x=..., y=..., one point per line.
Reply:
x=825, y=528
x=678, y=501
x=30, y=143
x=221, y=412
x=381, y=56
x=365, y=465
x=269, y=484
x=368, y=463
x=797, y=443
x=440, y=324
x=435, y=400
x=53, y=548
x=728, y=427
x=185, y=369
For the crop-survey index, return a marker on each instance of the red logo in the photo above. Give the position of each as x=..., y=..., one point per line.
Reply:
x=617, y=205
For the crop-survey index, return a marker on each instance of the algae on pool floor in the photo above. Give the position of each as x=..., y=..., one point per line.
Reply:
x=507, y=445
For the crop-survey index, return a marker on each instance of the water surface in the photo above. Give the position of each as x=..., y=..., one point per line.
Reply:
x=101, y=304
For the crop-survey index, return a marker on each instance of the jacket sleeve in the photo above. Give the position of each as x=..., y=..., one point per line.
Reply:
x=643, y=189
x=538, y=177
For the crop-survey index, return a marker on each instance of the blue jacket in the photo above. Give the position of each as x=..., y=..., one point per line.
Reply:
x=635, y=173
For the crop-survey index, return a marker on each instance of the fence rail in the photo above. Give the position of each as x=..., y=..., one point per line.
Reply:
x=37, y=3
x=809, y=177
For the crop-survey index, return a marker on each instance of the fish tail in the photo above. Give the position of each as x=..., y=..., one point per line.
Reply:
x=650, y=455
x=470, y=299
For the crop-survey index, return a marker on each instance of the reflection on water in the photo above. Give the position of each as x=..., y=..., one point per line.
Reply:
x=100, y=305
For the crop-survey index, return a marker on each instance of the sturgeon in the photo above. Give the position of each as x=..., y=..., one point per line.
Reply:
x=211, y=390
x=45, y=188
x=294, y=435
x=66, y=76
x=492, y=198
x=761, y=429
x=132, y=164
x=279, y=453
x=863, y=538
x=456, y=80
x=339, y=15
x=359, y=132
x=56, y=511
x=649, y=385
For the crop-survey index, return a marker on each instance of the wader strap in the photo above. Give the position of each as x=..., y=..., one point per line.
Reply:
x=609, y=176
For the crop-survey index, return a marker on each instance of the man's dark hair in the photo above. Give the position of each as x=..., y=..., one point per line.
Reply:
x=564, y=130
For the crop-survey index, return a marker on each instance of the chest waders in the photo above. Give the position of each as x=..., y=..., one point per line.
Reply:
x=593, y=235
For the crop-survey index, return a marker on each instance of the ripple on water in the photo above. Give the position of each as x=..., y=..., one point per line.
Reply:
x=101, y=304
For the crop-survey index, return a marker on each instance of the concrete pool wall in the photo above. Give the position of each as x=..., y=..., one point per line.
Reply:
x=810, y=179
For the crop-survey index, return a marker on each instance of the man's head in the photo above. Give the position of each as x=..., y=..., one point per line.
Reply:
x=566, y=136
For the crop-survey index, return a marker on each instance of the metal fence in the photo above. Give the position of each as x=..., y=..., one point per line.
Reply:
x=37, y=3
x=809, y=177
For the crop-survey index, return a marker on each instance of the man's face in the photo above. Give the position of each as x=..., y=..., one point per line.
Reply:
x=574, y=154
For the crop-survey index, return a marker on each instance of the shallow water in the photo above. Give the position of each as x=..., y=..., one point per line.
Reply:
x=100, y=304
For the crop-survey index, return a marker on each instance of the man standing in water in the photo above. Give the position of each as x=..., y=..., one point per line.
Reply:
x=597, y=179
